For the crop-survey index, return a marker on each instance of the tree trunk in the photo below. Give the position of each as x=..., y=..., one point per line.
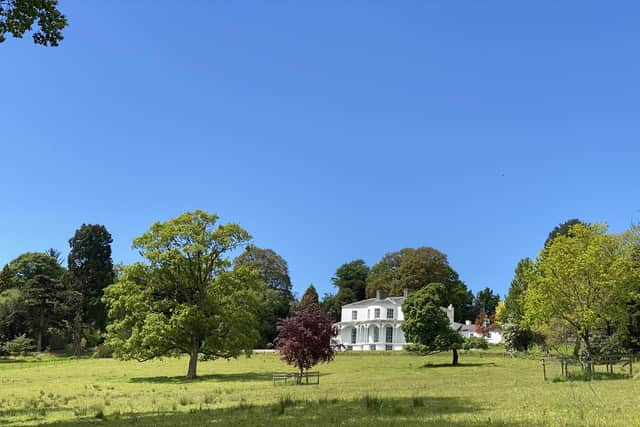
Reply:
x=39, y=341
x=300, y=376
x=77, y=336
x=193, y=359
x=455, y=357
x=40, y=329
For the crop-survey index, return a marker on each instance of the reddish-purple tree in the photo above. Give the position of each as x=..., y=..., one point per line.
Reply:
x=305, y=339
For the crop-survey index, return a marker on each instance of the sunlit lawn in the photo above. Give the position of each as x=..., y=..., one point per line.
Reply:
x=383, y=388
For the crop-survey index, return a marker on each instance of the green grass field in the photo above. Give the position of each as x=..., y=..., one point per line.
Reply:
x=380, y=389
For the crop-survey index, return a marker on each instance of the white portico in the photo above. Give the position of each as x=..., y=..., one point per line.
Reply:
x=374, y=324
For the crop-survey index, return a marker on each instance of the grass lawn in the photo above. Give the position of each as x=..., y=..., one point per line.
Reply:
x=380, y=389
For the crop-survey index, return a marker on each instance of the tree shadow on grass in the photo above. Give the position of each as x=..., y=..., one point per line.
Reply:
x=460, y=365
x=241, y=376
x=430, y=411
x=586, y=377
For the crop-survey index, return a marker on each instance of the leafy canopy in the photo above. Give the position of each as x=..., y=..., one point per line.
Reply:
x=583, y=280
x=19, y=16
x=352, y=276
x=426, y=325
x=185, y=298
x=414, y=269
x=305, y=339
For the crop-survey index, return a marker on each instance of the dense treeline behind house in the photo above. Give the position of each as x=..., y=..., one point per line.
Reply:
x=46, y=305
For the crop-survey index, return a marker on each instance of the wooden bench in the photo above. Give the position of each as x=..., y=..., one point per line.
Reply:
x=296, y=378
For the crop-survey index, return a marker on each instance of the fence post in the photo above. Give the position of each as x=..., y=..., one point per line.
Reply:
x=544, y=370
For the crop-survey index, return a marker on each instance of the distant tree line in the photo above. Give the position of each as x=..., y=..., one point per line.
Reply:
x=188, y=296
x=411, y=269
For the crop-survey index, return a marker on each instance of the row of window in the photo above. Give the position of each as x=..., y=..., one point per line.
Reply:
x=376, y=314
x=376, y=335
x=373, y=347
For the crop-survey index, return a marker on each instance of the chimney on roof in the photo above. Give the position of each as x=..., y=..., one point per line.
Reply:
x=379, y=294
x=405, y=292
x=467, y=322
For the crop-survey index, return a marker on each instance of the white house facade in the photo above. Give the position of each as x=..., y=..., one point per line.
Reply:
x=375, y=324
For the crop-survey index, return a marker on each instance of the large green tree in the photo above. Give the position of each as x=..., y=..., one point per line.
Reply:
x=37, y=277
x=426, y=326
x=271, y=267
x=18, y=17
x=186, y=298
x=582, y=279
x=277, y=298
x=413, y=269
x=353, y=276
x=90, y=272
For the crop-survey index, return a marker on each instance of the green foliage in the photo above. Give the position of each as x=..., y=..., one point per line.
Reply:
x=90, y=271
x=562, y=229
x=516, y=337
x=43, y=302
x=352, y=276
x=39, y=296
x=271, y=267
x=19, y=16
x=186, y=299
x=277, y=297
x=513, y=310
x=413, y=269
x=12, y=316
x=478, y=343
x=426, y=325
x=486, y=301
x=19, y=346
x=582, y=279
x=332, y=304
x=310, y=296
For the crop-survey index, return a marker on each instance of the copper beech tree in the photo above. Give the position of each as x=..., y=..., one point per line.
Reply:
x=304, y=340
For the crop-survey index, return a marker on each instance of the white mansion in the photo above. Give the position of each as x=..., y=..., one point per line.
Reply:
x=375, y=324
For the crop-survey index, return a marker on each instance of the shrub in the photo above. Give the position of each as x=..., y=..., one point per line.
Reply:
x=475, y=343
x=19, y=346
x=103, y=351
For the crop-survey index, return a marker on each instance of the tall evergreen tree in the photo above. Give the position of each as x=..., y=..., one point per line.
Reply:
x=90, y=271
x=310, y=296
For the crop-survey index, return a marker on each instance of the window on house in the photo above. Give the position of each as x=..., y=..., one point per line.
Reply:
x=354, y=315
x=389, y=313
x=376, y=334
x=353, y=335
x=376, y=313
x=389, y=337
x=388, y=347
x=372, y=347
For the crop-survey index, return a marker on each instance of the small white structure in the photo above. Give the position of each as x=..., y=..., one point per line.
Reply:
x=468, y=330
x=375, y=324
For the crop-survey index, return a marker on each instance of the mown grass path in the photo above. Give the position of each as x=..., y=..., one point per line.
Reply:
x=385, y=389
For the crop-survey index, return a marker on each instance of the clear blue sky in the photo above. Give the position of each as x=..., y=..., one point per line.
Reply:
x=331, y=132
